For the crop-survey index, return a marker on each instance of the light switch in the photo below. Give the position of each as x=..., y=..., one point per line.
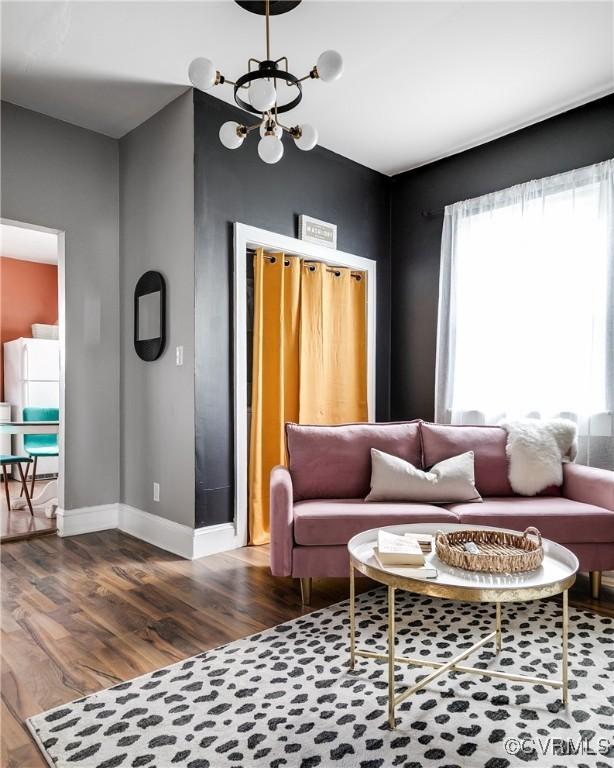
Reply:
x=179, y=355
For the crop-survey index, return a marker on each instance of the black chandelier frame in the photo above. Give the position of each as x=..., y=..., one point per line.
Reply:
x=269, y=69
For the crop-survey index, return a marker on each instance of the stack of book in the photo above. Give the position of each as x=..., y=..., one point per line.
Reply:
x=405, y=555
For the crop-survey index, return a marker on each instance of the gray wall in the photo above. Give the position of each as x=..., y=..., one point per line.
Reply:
x=60, y=176
x=157, y=232
x=574, y=139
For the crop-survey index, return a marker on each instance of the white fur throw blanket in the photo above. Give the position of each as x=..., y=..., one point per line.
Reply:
x=536, y=450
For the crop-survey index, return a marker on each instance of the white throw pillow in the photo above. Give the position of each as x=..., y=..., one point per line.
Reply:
x=393, y=479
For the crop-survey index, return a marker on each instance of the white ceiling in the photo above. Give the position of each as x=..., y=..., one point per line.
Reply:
x=422, y=79
x=28, y=244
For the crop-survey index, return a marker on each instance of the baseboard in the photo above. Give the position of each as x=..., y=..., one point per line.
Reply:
x=179, y=539
x=163, y=533
x=215, y=538
x=72, y=522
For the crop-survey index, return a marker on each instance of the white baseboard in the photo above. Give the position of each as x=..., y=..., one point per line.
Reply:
x=72, y=522
x=215, y=538
x=163, y=533
x=182, y=540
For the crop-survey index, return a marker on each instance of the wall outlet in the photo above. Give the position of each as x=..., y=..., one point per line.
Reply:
x=156, y=492
x=179, y=355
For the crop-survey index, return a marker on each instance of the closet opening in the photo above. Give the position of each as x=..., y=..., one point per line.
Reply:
x=304, y=337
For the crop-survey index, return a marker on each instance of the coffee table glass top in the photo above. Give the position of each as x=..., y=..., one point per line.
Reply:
x=557, y=570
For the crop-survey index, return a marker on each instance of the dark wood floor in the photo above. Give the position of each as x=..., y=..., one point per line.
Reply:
x=19, y=523
x=83, y=613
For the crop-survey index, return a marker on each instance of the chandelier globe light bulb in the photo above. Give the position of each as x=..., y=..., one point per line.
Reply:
x=262, y=95
x=232, y=135
x=202, y=74
x=307, y=137
x=270, y=149
x=329, y=66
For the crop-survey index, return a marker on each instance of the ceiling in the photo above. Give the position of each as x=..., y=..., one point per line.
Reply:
x=28, y=244
x=422, y=79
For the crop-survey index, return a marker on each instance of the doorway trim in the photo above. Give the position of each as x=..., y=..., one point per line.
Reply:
x=248, y=237
x=61, y=237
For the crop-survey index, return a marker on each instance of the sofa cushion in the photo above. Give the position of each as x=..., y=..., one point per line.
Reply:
x=393, y=479
x=334, y=462
x=559, y=519
x=441, y=441
x=335, y=521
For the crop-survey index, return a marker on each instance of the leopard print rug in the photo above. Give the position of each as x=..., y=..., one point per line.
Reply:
x=286, y=697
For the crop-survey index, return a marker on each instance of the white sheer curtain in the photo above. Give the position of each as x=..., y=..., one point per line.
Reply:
x=526, y=316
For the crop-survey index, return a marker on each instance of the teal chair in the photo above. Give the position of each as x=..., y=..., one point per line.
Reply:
x=39, y=446
x=9, y=461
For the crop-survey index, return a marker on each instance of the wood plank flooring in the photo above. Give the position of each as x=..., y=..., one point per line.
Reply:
x=19, y=523
x=83, y=613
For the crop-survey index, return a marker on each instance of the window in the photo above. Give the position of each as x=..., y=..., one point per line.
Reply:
x=526, y=322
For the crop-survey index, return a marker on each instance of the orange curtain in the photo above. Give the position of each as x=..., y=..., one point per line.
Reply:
x=275, y=385
x=333, y=348
x=309, y=361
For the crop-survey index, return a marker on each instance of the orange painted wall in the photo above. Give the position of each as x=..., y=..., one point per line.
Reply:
x=28, y=294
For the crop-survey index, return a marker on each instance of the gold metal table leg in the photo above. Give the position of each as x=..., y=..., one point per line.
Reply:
x=448, y=665
x=453, y=665
x=391, y=718
x=565, y=647
x=481, y=671
x=352, y=618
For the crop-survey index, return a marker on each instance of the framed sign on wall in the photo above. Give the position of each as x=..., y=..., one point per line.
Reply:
x=315, y=231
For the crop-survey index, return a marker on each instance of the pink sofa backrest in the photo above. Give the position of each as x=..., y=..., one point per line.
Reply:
x=334, y=462
x=441, y=441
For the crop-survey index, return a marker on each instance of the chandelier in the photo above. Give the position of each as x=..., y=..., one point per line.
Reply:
x=256, y=91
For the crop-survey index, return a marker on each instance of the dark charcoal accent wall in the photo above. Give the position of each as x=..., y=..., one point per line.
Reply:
x=236, y=186
x=574, y=139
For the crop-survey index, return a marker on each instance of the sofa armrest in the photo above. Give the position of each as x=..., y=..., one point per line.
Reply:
x=281, y=516
x=589, y=485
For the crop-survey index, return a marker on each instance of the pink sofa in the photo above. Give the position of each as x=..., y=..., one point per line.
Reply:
x=317, y=502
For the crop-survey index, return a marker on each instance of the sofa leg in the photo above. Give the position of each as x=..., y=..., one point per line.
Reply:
x=306, y=590
x=595, y=584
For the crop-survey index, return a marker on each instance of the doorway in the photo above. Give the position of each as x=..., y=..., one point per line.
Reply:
x=247, y=240
x=31, y=378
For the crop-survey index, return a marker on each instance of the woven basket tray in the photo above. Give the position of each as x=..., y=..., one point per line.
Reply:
x=500, y=552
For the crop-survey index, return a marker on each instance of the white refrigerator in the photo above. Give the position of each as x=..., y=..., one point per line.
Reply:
x=32, y=378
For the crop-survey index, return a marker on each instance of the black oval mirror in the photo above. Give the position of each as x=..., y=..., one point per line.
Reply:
x=150, y=316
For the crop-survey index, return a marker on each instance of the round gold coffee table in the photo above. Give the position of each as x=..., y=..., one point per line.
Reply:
x=555, y=576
